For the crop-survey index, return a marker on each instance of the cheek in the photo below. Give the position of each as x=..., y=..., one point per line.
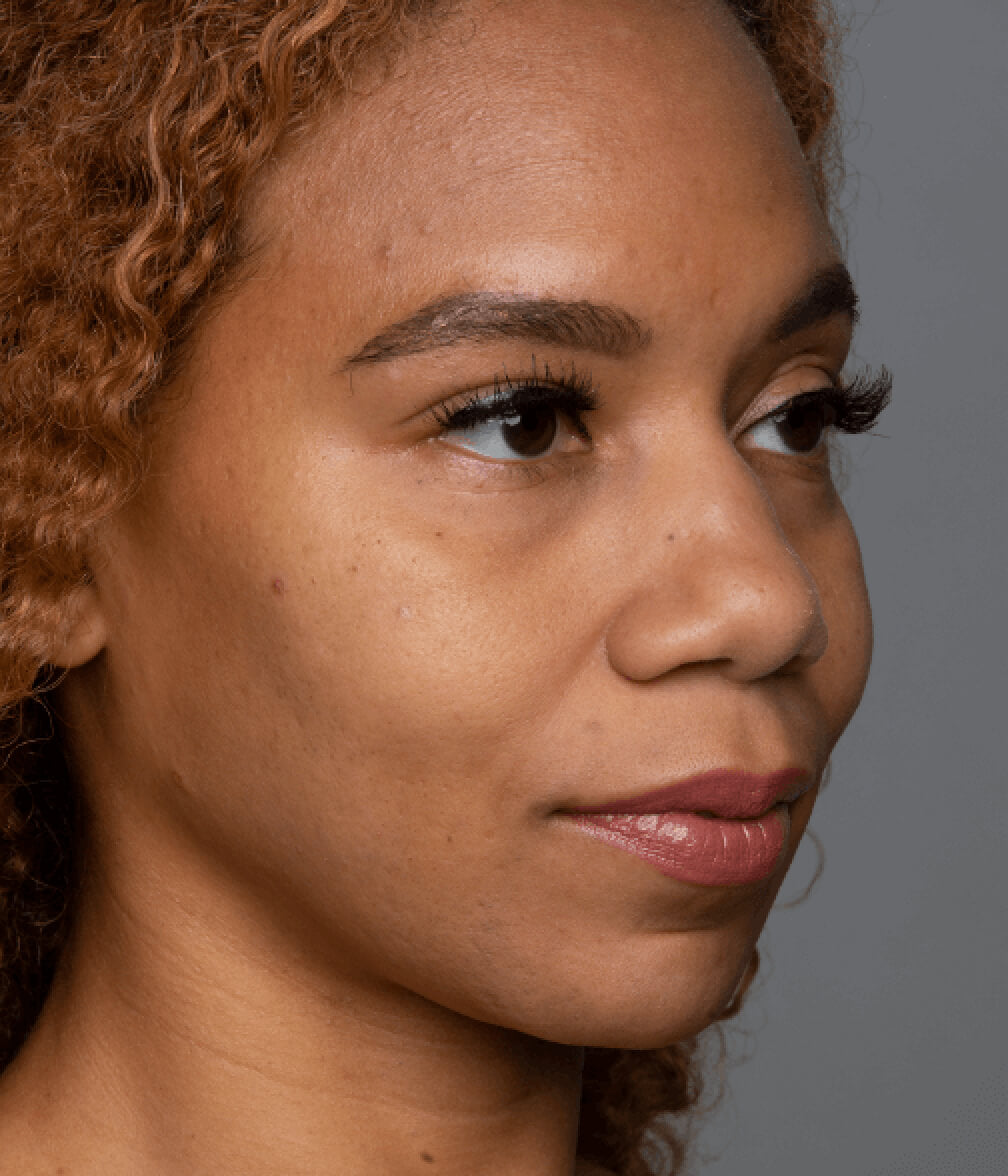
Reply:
x=830, y=552
x=437, y=617
x=365, y=630
x=423, y=651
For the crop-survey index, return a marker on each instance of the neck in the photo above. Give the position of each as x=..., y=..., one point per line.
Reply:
x=182, y=1036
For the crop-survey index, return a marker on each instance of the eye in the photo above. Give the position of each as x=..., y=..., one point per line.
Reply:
x=520, y=422
x=799, y=426
x=527, y=434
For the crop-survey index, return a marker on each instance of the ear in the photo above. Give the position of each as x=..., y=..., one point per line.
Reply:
x=83, y=632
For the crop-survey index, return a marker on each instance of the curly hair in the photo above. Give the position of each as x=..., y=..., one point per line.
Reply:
x=129, y=134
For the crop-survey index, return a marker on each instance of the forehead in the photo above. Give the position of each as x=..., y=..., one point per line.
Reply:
x=522, y=142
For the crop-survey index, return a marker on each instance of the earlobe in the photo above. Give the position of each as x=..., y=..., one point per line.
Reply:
x=83, y=633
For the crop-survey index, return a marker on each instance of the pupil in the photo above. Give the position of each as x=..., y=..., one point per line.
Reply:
x=802, y=426
x=532, y=432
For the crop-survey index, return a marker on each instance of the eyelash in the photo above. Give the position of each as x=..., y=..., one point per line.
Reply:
x=855, y=405
x=571, y=394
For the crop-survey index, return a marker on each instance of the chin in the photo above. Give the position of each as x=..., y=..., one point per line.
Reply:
x=648, y=1027
x=631, y=1005
x=640, y=1029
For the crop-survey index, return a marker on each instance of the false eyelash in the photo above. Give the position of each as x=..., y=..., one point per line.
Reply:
x=857, y=404
x=571, y=393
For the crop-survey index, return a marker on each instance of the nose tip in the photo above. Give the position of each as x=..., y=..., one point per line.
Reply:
x=730, y=589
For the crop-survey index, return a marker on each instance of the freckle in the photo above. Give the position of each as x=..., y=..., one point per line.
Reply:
x=279, y=585
x=439, y=534
x=354, y=568
x=670, y=537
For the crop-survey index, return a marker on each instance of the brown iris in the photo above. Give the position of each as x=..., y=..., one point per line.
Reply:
x=801, y=425
x=531, y=432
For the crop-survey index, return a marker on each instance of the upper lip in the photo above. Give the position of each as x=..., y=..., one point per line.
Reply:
x=725, y=792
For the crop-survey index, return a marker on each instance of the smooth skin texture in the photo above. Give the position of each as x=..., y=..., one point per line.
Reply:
x=340, y=676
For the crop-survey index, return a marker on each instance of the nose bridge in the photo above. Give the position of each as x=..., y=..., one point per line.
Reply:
x=721, y=581
x=728, y=511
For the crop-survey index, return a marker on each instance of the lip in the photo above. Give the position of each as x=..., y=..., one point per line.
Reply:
x=722, y=828
x=724, y=792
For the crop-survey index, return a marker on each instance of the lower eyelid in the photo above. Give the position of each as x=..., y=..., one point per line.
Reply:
x=490, y=473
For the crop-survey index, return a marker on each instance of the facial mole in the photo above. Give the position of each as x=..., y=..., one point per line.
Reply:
x=427, y=1157
x=670, y=537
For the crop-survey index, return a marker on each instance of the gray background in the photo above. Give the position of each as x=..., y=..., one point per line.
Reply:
x=877, y=1036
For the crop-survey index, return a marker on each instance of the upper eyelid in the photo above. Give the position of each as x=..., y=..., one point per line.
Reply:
x=575, y=387
x=764, y=404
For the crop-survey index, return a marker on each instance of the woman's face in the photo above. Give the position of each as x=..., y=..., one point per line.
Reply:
x=364, y=657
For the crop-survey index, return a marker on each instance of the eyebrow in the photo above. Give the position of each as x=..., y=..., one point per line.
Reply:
x=831, y=292
x=591, y=326
x=486, y=315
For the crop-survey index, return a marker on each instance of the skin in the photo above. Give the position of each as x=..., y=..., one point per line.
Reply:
x=338, y=678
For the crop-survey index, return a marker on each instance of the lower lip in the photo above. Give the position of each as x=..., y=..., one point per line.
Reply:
x=710, y=851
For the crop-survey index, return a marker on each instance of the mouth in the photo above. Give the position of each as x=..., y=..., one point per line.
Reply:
x=723, y=828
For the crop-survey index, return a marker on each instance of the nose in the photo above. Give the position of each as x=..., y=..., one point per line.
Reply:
x=717, y=581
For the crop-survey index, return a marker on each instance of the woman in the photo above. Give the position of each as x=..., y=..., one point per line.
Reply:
x=420, y=547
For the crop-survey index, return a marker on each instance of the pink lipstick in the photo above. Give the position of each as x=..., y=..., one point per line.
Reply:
x=723, y=828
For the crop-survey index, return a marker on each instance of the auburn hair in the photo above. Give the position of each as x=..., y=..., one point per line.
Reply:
x=129, y=134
